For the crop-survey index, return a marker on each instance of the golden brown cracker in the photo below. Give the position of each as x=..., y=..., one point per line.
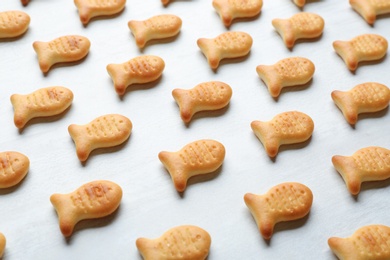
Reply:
x=92, y=200
x=43, y=102
x=139, y=70
x=3, y=242
x=367, y=164
x=13, y=23
x=199, y=157
x=287, y=72
x=300, y=26
x=156, y=27
x=284, y=202
x=368, y=242
x=14, y=166
x=365, y=47
x=364, y=98
x=370, y=9
x=285, y=128
x=210, y=95
x=93, y=8
x=63, y=49
x=229, y=10
x=225, y=45
x=181, y=242
x=102, y=132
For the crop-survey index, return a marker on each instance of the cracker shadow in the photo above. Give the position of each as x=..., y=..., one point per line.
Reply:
x=143, y=86
x=102, y=17
x=172, y=1
x=288, y=225
x=241, y=20
x=65, y=64
x=44, y=120
x=202, y=178
x=106, y=150
x=93, y=223
x=308, y=2
x=368, y=63
x=372, y=185
x=286, y=147
x=371, y=115
x=159, y=41
x=14, y=39
x=299, y=41
x=208, y=113
x=231, y=61
x=293, y=89
x=12, y=189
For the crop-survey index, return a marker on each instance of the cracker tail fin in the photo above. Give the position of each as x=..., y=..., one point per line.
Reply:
x=84, y=11
x=119, y=77
x=343, y=246
x=173, y=163
x=345, y=165
x=146, y=248
x=210, y=51
x=264, y=134
x=66, y=216
x=224, y=12
x=367, y=11
x=139, y=31
x=271, y=79
x=185, y=104
x=345, y=50
x=345, y=102
x=286, y=31
x=44, y=60
x=83, y=146
x=264, y=222
x=21, y=113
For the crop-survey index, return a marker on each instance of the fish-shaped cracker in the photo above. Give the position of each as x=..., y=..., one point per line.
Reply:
x=93, y=8
x=211, y=95
x=229, y=10
x=3, y=242
x=92, y=200
x=367, y=164
x=199, y=157
x=285, y=128
x=139, y=70
x=225, y=45
x=300, y=26
x=14, y=167
x=284, y=202
x=299, y=3
x=370, y=242
x=369, y=9
x=43, y=102
x=13, y=23
x=182, y=242
x=63, y=49
x=156, y=27
x=104, y=131
x=287, y=72
x=24, y=2
x=363, y=98
x=365, y=47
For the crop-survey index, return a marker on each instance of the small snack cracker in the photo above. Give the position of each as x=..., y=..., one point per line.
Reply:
x=156, y=27
x=104, y=131
x=226, y=45
x=365, y=47
x=63, y=49
x=13, y=23
x=299, y=3
x=287, y=72
x=92, y=200
x=43, y=102
x=285, y=128
x=369, y=9
x=139, y=70
x=178, y=243
x=93, y=8
x=24, y=2
x=199, y=157
x=211, y=95
x=367, y=164
x=364, y=98
x=228, y=10
x=2, y=244
x=284, y=202
x=14, y=167
x=299, y=26
x=367, y=243
x=165, y=2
